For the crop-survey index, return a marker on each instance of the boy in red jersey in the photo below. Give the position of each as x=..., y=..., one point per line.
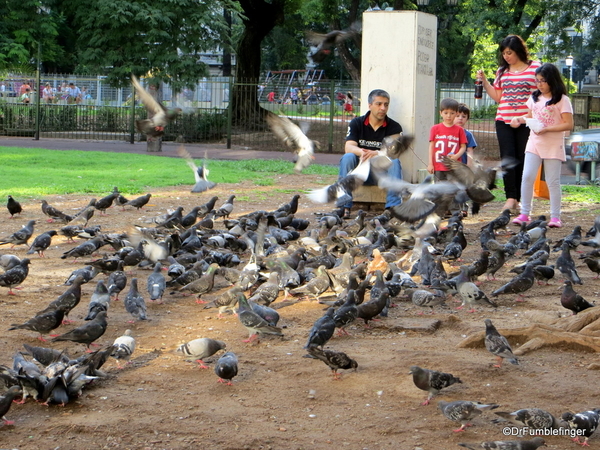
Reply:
x=446, y=139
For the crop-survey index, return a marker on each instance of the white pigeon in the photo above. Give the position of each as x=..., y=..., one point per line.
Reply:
x=200, y=173
x=123, y=348
x=295, y=138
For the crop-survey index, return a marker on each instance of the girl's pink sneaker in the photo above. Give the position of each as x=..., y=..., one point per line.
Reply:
x=521, y=219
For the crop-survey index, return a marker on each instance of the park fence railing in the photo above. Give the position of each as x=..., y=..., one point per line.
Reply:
x=103, y=112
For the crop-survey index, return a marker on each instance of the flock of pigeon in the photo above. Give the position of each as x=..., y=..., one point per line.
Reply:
x=357, y=268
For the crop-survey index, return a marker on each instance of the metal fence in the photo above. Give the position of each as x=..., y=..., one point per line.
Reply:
x=107, y=113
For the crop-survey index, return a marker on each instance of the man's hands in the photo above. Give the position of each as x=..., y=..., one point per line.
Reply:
x=368, y=154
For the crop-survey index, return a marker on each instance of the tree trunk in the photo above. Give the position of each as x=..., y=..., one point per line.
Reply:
x=260, y=18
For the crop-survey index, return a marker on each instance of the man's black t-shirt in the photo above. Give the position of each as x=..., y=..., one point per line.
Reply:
x=360, y=131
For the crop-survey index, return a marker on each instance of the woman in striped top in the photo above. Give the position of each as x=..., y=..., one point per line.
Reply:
x=514, y=83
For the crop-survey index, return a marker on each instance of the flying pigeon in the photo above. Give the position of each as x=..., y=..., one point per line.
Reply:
x=326, y=42
x=432, y=381
x=123, y=347
x=463, y=411
x=226, y=368
x=334, y=359
x=159, y=116
x=498, y=345
x=200, y=173
x=293, y=136
x=200, y=349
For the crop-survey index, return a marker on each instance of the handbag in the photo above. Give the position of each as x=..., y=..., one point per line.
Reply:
x=540, y=187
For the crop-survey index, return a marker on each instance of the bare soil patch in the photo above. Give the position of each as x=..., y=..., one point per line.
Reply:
x=160, y=401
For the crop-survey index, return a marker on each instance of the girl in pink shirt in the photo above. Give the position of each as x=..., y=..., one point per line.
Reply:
x=552, y=108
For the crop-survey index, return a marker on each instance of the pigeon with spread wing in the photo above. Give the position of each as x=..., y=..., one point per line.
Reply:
x=200, y=173
x=159, y=116
x=293, y=136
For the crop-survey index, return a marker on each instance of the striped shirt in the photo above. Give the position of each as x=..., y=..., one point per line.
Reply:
x=516, y=89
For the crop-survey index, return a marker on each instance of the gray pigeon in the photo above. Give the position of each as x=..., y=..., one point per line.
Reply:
x=15, y=276
x=138, y=202
x=295, y=138
x=117, y=281
x=159, y=116
x=156, y=283
x=41, y=243
x=200, y=173
x=519, y=284
x=227, y=368
x=226, y=301
x=54, y=214
x=322, y=330
x=9, y=261
x=20, y=237
x=6, y=402
x=566, y=265
x=534, y=418
x=86, y=333
x=498, y=345
x=134, y=302
x=423, y=298
x=267, y=292
x=315, y=286
x=585, y=423
x=123, y=347
x=254, y=323
x=463, y=411
x=43, y=322
x=572, y=300
x=200, y=348
x=432, y=381
x=532, y=444
x=226, y=208
x=334, y=359
x=99, y=301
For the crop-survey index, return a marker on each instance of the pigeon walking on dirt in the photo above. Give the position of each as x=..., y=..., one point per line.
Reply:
x=138, y=202
x=432, y=381
x=117, y=281
x=15, y=276
x=159, y=116
x=532, y=444
x=519, y=284
x=42, y=323
x=226, y=208
x=566, y=265
x=70, y=298
x=499, y=222
x=156, y=283
x=201, y=348
x=463, y=411
x=469, y=292
x=99, y=300
x=20, y=237
x=585, y=423
x=227, y=368
x=13, y=206
x=54, y=214
x=134, y=302
x=533, y=418
x=41, y=243
x=498, y=345
x=334, y=359
x=322, y=330
x=572, y=300
x=86, y=333
x=123, y=347
x=6, y=402
x=295, y=138
x=254, y=323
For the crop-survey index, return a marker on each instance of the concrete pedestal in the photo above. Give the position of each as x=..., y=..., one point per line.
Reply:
x=399, y=55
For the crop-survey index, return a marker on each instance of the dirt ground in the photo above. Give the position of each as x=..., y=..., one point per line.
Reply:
x=280, y=400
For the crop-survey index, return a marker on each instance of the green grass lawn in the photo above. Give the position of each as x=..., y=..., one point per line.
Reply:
x=29, y=172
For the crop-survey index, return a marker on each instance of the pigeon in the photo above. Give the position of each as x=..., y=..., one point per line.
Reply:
x=226, y=301
x=469, y=292
x=499, y=222
x=6, y=401
x=572, y=300
x=134, y=302
x=585, y=423
x=54, y=214
x=423, y=298
x=86, y=333
x=322, y=330
x=117, y=281
x=573, y=240
x=226, y=208
x=253, y=322
x=424, y=198
x=394, y=147
x=341, y=191
x=475, y=180
x=99, y=300
x=295, y=138
x=156, y=283
x=13, y=206
x=334, y=359
x=139, y=202
x=498, y=345
x=347, y=313
x=368, y=310
x=86, y=213
x=533, y=418
x=106, y=202
x=432, y=381
x=316, y=286
x=595, y=234
x=43, y=322
x=463, y=411
x=200, y=173
x=68, y=299
x=519, y=284
x=41, y=243
x=85, y=248
x=15, y=276
x=532, y=444
x=327, y=42
x=207, y=207
x=123, y=347
x=566, y=265
x=291, y=207
x=454, y=249
x=226, y=368
x=20, y=237
x=269, y=314
x=46, y=356
x=202, y=285
x=7, y=261
x=267, y=292
x=159, y=116
x=200, y=349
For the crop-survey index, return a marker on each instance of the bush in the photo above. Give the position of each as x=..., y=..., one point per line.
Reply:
x=487, y=112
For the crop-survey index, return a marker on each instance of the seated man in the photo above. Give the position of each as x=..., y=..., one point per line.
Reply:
x=364, y=138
